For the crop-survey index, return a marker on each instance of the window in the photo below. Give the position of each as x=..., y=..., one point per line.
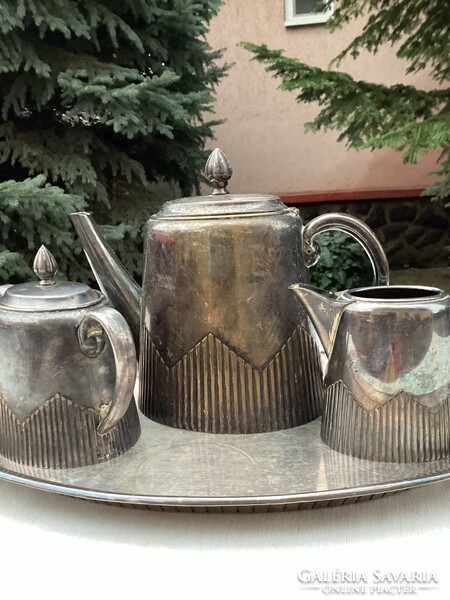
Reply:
x=305, y=12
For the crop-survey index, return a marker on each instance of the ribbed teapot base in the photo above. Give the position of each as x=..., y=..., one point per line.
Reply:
x=213, y=389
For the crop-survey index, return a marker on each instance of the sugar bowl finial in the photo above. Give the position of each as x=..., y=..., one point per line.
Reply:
x=45, y=266
x=218, y=171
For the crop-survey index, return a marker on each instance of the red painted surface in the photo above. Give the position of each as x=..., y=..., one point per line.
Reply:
x=350, y=195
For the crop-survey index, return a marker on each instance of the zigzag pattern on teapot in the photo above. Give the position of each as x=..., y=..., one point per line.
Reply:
x=213, y=389
x=62, y=434
x=401, y=429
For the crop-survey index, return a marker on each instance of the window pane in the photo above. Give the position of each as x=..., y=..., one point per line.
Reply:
x=305, y=7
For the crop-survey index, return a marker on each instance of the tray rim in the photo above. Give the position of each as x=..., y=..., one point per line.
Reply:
x=205, y=502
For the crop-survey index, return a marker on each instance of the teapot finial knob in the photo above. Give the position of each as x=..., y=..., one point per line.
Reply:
x=45, y=266
x=218, y=171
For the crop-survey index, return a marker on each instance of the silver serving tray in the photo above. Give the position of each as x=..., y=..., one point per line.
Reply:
x=176, y=469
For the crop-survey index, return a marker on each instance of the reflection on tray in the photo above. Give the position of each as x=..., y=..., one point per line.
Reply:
x=174, y=466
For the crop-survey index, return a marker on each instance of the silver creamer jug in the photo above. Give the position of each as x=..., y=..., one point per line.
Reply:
x=224, y=347
x=387, y=394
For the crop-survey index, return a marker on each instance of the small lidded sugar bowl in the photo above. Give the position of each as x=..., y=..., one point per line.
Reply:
x=67, y=373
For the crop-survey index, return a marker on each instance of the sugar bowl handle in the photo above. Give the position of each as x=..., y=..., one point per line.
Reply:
x=91, y=336
x=353, y=227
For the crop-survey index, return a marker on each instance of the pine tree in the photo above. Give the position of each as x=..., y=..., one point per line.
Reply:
x=370, y=115
x=99, y=100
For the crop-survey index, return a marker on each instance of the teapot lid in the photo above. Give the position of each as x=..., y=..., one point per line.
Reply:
x=47, y=294
x=220, y=203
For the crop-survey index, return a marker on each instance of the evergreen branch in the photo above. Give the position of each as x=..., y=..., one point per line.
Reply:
x=18, y=54
x=440, y=189
x=419, y=28
x=121, y=165
x=12, y=15
x=100, y=15
x=100, y=96
x=44, y=152
x=417, y=138
x=70, y=18
x=366, y=114
x=29, y=217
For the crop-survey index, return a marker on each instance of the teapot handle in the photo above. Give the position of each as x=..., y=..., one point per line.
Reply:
x=91, y=336
x=353, y=227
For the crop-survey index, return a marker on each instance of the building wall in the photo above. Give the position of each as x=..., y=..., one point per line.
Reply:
x=263, y=135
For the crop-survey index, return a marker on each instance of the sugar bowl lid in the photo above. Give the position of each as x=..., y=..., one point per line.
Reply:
x=47, y=294
x=220, y=203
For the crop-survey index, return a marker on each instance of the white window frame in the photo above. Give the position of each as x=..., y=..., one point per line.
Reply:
x=291, y=19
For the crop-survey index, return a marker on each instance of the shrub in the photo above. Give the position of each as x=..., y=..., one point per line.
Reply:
x=343, y=263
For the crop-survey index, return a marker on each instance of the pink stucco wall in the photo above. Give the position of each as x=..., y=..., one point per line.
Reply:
x=264, y=134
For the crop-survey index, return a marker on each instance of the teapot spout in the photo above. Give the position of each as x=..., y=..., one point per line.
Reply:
x=325, y=310
x=114, y=281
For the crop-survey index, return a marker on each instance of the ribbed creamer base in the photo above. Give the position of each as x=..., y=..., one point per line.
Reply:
x=400, y=430
x=213, y=389
x=61, y=434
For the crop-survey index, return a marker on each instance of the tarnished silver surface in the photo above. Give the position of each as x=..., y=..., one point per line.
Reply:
x=45, y=266
x=113, y=280
x=95, y=326
x=47, y=294
x=171, y=467
x=388, y=379
x=62, y=434
x=225, y=348
x=218, y=171
x=67, y=372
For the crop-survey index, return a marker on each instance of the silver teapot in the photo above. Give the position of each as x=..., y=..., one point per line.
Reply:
x=224, y=347
x=67, y=372
x=387, y=394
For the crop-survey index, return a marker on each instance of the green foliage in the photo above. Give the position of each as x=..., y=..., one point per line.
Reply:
x=369, y=115
x=103, y=98
x=343, y=263
x=34, y=213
